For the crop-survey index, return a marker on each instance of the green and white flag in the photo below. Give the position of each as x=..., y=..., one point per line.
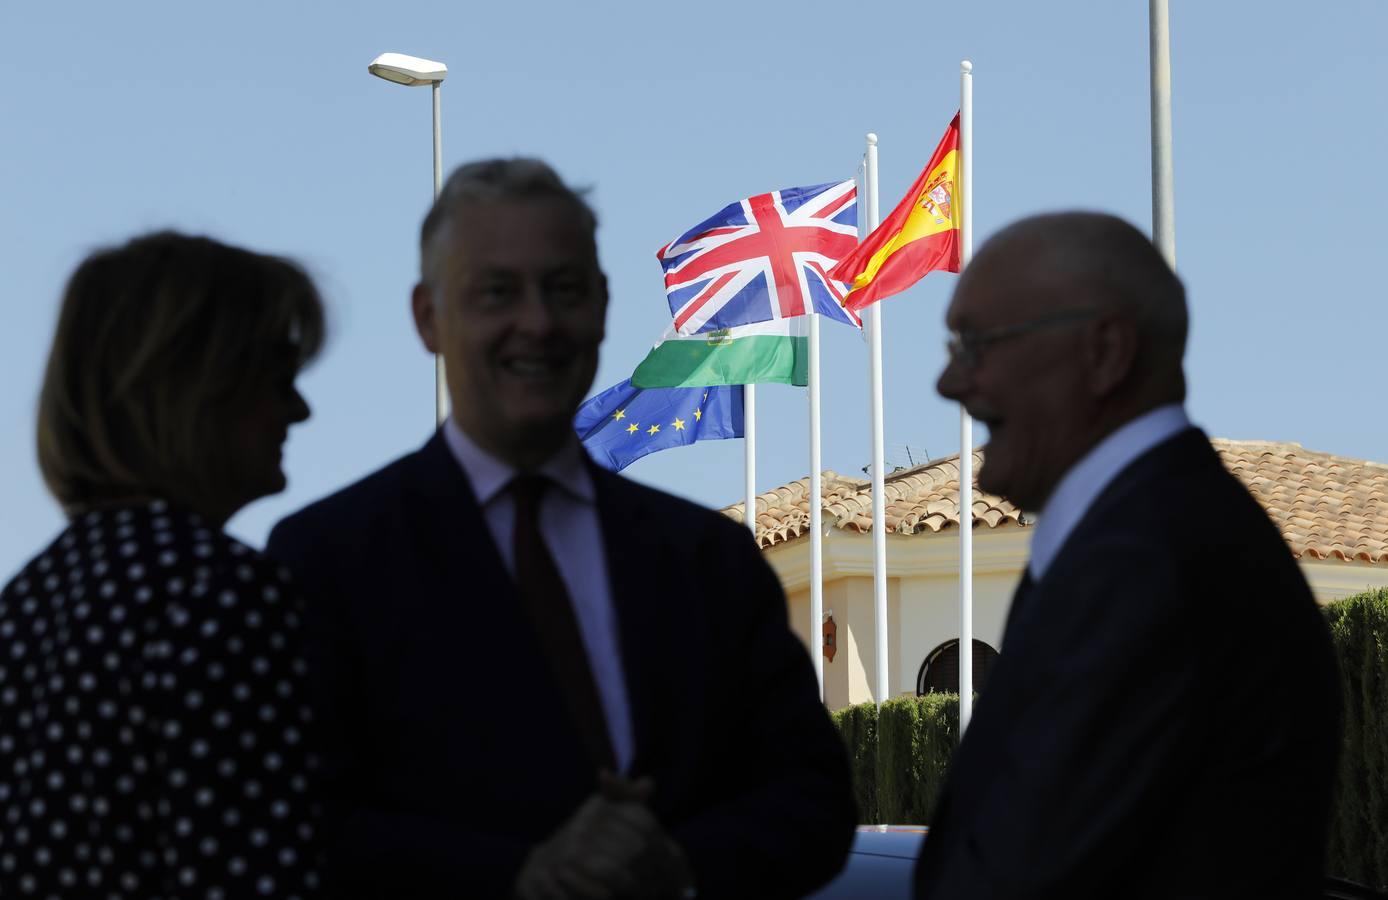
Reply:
x=776, y=351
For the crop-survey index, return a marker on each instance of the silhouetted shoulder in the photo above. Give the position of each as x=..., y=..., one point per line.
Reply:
x=673, y=514
x=352, y=506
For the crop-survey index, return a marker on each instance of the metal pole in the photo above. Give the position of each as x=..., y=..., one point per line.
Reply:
x=873, y=321
x=440, y=382
x=966, y=425
x=816, y=513
x=749, y=449
x=1163, y=177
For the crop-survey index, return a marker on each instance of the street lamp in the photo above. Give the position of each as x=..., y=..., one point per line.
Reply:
x=413, y=71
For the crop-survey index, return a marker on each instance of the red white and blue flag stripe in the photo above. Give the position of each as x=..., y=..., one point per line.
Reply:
x=762, y=259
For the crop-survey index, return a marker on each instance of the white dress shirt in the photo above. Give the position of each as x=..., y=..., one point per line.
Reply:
x=1086, y=479
x=573, y=535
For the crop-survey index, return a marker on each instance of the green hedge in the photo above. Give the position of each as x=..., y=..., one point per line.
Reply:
x=900, y=754
x=858, y=726
x=1359, y=820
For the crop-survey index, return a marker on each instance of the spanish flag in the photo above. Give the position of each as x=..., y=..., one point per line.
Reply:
x=921, y=235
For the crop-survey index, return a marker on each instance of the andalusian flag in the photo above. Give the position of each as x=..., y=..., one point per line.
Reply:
x=921, y=235
x=775, y=351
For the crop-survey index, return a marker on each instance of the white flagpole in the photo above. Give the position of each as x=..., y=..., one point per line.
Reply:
x=1163, y=177
x=816, y=514
x=966, y=425
x=873, y=321
x=749, y=449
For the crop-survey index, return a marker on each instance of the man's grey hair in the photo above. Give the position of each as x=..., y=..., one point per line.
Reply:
x=497, y=179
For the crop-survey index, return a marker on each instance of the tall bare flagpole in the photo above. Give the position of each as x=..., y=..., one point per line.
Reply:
x=966, y=425
x=749, y=459
x=816, y=512
x=872, y=319
x=1163, y=177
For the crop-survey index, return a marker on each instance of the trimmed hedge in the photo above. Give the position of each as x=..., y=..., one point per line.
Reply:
x=900, y=754
x=1358, y=847
x=858, y=727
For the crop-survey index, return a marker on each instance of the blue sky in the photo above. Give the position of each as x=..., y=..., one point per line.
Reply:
x=257, y=123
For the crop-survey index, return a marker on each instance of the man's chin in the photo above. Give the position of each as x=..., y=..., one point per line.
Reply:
x=540, y=430
x=993, y=479
x=272, y=484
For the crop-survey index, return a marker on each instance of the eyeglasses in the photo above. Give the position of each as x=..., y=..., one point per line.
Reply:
x=965, y=347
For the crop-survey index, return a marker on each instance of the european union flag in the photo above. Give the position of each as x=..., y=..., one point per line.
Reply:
x=624, y=423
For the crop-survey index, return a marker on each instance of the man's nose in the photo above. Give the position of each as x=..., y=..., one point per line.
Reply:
x=954, y=380
x=536, y=311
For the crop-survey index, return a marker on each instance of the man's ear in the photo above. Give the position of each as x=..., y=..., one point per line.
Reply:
x=425, y=316
x=1111, y=349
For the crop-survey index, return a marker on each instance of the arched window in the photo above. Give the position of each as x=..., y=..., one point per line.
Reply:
x=940, y=671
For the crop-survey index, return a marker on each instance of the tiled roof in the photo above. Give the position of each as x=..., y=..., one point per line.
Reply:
x=1327, y=507
x=924, y=498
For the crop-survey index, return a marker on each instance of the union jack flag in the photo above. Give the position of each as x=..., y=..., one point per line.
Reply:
x=763, y=258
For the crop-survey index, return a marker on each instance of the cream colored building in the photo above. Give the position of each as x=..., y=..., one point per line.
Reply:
x=1332, y=511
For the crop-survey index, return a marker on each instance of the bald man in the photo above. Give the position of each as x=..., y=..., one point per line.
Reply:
x=1163, y=718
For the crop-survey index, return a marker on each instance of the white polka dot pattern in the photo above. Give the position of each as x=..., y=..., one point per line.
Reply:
x=154, y=737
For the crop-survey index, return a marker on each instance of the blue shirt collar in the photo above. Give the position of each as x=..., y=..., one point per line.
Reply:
x=1086, y=479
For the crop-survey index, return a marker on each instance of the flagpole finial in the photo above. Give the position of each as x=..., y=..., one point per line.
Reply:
x=966, y=67
x=872, y=139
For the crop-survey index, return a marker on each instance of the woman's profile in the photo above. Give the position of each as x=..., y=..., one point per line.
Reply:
x=154, y=733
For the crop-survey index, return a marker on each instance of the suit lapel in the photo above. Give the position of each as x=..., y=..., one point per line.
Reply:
x=637, y=583
x=453, y=538
x=1181, y=450
x=1168, y=459
x=452, y=530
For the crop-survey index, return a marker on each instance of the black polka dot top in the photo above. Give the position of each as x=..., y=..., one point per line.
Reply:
x=154, y=738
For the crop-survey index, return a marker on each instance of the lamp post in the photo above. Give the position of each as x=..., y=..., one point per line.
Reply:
x=413, y=71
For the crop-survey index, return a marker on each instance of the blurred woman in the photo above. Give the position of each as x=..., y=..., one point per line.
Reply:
x=154, y=739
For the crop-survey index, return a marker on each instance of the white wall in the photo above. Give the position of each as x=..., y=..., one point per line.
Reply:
x=923, y=598
x=922, y=601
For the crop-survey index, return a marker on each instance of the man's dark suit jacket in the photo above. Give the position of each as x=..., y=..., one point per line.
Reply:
x=452, y=753
x=1163, y=718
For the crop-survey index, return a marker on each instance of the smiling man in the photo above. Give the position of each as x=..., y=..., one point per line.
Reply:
x=1162, y=721
x=537, y=678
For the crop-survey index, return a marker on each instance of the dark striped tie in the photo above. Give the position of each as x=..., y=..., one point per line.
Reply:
x=546, y=602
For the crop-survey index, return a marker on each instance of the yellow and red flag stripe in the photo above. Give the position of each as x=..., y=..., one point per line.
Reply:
x=921, y=235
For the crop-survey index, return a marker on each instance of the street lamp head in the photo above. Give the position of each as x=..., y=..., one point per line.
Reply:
x=407, y=70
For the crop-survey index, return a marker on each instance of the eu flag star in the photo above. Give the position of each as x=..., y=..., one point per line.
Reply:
x=624, y=422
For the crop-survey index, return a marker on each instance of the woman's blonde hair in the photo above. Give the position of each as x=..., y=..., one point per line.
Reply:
x=156, y=340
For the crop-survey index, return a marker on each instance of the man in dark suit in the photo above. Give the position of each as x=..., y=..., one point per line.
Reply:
x=1162, y=720
x=537, y=678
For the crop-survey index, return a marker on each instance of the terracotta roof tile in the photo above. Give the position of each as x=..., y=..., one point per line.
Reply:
x=1326, y=506
x=924, y=498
